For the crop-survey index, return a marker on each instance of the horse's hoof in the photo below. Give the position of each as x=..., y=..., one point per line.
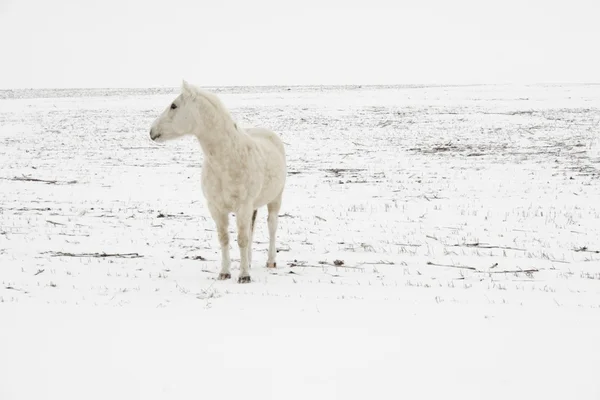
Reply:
x=244, y=279
x=223, y=276
x=272, y=265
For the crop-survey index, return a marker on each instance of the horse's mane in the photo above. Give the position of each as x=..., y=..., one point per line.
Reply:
x=211, y=98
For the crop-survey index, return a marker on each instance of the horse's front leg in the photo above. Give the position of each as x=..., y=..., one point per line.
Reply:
x=244, y=226
x=273, y=218
x=222, y=221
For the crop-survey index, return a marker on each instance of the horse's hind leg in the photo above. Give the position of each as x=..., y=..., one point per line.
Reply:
x=273, y=218
x=251, y=236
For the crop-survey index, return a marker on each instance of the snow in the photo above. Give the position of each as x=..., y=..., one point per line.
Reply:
x=467, y=220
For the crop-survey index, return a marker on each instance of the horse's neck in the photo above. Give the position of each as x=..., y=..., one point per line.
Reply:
x=223, y=144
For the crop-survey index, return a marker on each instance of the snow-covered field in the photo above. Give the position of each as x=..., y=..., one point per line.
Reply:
x=434, y=242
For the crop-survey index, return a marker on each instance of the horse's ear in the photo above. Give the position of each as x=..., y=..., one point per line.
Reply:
x=186, y=88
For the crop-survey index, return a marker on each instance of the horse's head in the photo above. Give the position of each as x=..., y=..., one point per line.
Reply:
x=183, y=116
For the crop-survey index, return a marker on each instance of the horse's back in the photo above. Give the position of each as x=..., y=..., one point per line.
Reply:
x=263, y=135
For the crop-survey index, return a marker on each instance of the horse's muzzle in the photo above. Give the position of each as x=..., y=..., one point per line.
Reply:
x=154, y=135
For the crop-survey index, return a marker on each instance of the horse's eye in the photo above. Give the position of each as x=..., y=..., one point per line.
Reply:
x=173, y=106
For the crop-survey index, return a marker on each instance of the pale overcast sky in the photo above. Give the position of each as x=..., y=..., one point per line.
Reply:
x=142, y=43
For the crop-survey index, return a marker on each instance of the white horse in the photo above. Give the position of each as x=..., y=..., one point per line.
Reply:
x=242, y=170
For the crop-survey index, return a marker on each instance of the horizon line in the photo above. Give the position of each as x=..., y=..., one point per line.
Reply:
x=355, y=85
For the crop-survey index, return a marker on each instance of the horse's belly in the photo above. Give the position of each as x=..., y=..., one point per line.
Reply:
x=262, y=182
x=267, y=196
x=273, y=182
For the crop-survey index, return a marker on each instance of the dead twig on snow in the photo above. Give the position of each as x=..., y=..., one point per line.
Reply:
x=517, y=271
x=46, y=181
x=93, y=255
x=452, y=266
x=586, y=250
x=487, y=246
